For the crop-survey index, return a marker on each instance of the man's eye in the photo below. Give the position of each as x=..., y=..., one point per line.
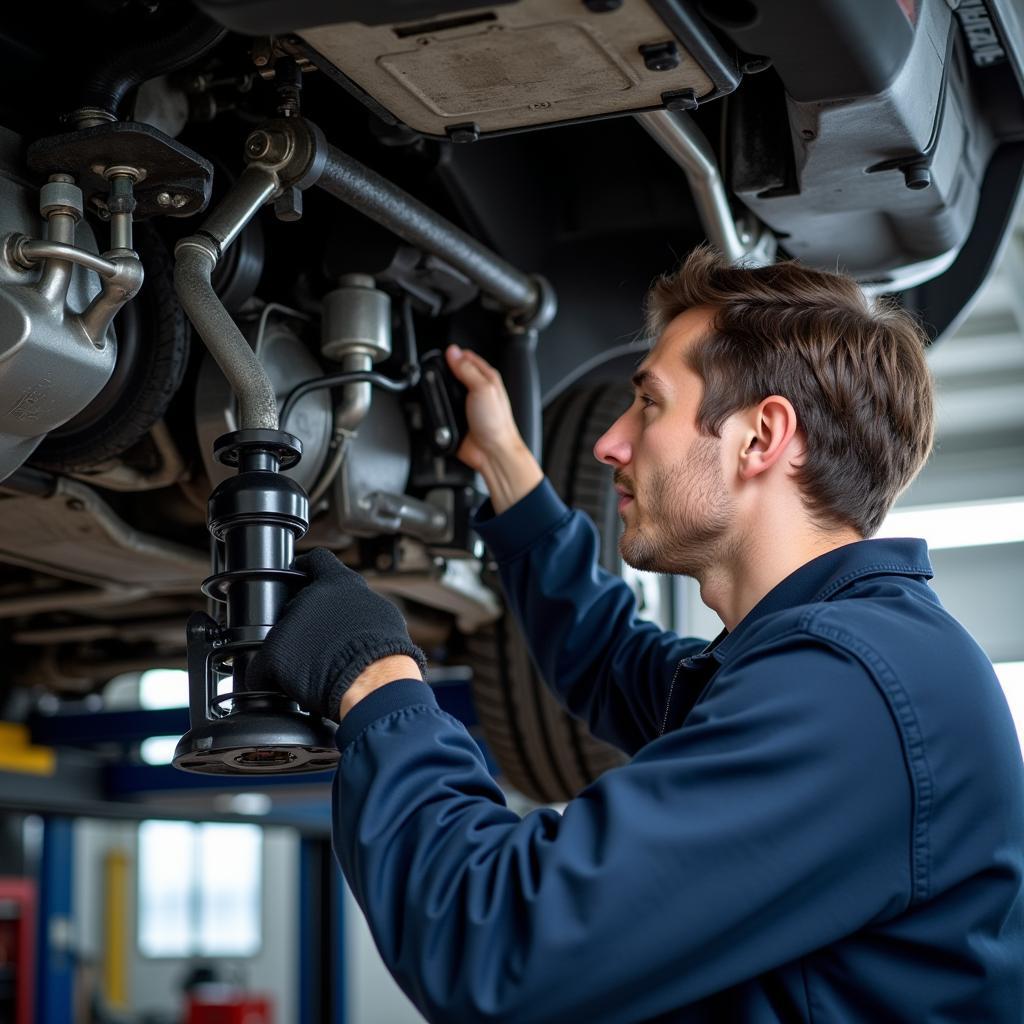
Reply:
x=645, y=401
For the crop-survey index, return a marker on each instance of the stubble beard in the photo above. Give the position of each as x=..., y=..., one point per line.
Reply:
x=683, y=525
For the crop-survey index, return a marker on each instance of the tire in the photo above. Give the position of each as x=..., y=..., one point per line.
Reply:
x=153, y=347
x=543, y=751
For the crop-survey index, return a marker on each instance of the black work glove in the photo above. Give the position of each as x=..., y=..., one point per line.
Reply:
x=330, y=631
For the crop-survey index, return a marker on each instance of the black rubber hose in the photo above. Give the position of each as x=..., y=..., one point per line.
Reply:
x=522, y=379
x=167, y=48
x=402, y=214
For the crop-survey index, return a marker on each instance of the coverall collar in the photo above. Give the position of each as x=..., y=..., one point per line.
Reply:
x=823, y=577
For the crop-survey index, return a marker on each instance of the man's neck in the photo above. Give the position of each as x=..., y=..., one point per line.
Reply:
x=755, y=567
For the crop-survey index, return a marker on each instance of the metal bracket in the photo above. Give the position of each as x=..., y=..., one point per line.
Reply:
x=174, y=179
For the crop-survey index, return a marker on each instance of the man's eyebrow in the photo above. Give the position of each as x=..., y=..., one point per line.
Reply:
x=648, y=379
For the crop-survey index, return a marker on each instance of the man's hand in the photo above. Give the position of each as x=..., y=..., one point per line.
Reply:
x=330, y=634
x=494, y=447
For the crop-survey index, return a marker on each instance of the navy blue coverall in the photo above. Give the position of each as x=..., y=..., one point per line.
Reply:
x=822, y=820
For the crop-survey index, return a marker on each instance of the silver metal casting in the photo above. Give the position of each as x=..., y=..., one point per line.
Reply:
x=356, y=318
x=55, y=359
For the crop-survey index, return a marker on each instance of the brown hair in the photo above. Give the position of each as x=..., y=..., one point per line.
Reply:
x=853, y=369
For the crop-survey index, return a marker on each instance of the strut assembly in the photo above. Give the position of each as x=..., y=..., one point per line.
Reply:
x=256, y=517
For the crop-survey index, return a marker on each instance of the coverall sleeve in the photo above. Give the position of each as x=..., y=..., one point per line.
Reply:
x=775, y=821
x=604, y=664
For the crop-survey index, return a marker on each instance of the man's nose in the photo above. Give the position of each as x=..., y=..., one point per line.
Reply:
x=613, y=447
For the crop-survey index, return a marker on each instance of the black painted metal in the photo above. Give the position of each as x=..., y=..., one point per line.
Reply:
x=255, y=519
x=522, y=378
x=379, y=199
x=171, y=167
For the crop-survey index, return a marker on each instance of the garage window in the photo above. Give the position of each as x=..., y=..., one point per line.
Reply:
x=199, y=889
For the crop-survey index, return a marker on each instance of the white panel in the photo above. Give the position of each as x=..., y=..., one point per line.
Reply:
x=373, y=997
x=984, y=589
x=693, y=617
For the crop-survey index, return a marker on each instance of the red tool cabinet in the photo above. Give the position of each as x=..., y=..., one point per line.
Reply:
x=17, y=948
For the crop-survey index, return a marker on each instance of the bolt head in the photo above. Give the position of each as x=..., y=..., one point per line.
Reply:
x=660, y=56
x=755, y=65
x=442, y=437
x=257, y=145
x=684, y=99
x=462, y=132
x=178, y=200
x=163, y=199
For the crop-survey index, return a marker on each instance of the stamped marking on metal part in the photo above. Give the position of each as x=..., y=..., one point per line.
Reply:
x=29, y=406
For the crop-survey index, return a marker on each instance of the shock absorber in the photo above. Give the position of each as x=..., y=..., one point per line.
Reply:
x=254, y=518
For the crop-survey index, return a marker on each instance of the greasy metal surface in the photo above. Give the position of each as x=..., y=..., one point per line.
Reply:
x=684, y=142
x=377, y=460
x=77, y=536
x=28, y=251
x=255, y=185
x=287, y=362
x=50, y=367
x=170, y=167
x=871, y=225
x=257, y=404
x=370, y=193
x=356, y=319
x=530, y=63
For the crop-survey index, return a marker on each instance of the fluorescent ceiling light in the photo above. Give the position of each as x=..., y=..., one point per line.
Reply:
x=163, y=688
x=964, y=525
x=158, y=749
x=244, y=803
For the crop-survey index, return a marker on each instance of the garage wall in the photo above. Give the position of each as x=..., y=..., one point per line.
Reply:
x=372, y=995
x=979, y=456
x=155, y=984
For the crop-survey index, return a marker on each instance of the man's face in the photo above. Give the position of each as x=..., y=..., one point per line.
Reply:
x=674, y=501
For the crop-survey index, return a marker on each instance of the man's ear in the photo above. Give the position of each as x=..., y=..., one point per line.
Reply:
x=770, y=427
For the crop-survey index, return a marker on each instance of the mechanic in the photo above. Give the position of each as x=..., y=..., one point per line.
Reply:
x=823, y=817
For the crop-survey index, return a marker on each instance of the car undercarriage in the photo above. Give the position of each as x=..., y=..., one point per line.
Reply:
x=235, y=217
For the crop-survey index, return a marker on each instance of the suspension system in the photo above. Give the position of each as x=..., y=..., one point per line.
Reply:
x=255, y=518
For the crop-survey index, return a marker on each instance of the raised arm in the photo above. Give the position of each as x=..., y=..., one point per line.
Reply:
x=605, y=664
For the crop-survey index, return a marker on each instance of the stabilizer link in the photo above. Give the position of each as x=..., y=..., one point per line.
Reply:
x=255, y=519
